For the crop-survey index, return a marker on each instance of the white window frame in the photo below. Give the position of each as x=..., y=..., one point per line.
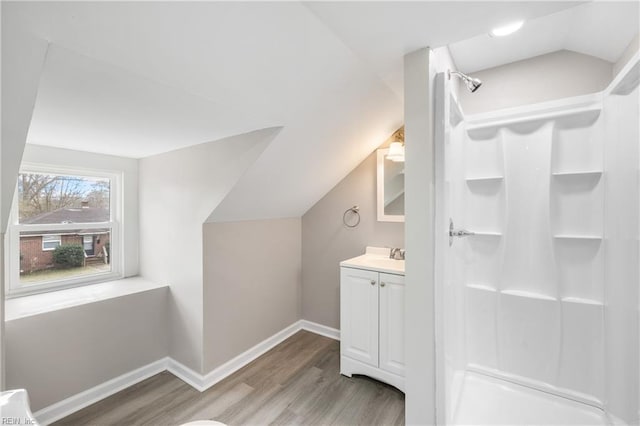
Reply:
x=50, y=239
x=12, y=238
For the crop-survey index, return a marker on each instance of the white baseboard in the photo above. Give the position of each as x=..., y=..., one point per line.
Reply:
x=186, y=374
x=196, y=380
x=81, y=400
x=320, y=329
x=249, y=355
x=204, y=382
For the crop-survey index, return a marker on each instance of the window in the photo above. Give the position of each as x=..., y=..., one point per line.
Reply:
x=50, y=242
x=64, y=229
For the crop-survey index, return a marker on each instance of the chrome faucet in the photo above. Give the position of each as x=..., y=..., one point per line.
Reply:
x=396, y=253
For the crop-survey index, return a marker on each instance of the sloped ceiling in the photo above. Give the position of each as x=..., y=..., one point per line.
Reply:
x=89, y=105
x=381, y=33
x=139, y=78
x=270, y=64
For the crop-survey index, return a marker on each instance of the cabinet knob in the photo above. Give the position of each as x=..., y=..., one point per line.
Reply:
x=373, y=282
x=382, y=284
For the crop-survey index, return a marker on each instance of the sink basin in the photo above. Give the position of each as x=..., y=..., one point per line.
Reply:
x=374, y=260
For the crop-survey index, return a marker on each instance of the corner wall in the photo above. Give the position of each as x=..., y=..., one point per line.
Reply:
x=22, y=60
x=251, y=284
x=178, y=191
x=326, y=240
x=419, y=75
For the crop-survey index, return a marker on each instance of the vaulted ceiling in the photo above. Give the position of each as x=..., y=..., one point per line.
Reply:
x=600, y=29
x=140, y=78
x=382, y=32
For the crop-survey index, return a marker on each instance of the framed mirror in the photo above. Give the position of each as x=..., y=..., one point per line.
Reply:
x=390, y=184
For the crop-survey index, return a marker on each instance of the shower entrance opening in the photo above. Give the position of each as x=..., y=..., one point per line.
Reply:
x=537, y=259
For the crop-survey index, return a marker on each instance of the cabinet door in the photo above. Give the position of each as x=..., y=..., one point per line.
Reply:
x=359, y=315
x=392, y=323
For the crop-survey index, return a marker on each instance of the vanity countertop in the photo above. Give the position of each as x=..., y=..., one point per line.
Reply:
x=376, y=259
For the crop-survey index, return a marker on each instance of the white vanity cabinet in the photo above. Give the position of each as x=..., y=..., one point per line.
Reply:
x=372, y=324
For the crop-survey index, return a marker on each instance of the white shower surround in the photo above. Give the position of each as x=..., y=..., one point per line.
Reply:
x=545, y=296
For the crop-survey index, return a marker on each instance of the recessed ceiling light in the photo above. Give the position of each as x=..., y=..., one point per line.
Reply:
x=506, y=29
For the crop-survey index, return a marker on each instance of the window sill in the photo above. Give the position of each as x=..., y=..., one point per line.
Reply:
x=25, y=306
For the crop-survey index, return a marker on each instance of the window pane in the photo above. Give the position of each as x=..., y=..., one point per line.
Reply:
x=48, y=198
x=50, y=242
x=87, y=243
x=74, y=253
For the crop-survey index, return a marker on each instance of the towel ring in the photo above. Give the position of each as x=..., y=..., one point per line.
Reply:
x=355, y=211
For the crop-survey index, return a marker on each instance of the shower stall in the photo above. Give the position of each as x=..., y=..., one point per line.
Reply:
x=537, y=259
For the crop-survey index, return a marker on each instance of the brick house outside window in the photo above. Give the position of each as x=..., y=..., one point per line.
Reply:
x=36, y=248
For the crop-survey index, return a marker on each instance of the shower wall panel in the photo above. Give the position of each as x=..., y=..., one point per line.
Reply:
x=534, y=274
x=528, y=260
x=621, y=252
x=453, y=286
x=546, y=292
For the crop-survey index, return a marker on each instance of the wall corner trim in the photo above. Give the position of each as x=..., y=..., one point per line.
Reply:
x=320, y=329
x=196, y=380
x=233, y=365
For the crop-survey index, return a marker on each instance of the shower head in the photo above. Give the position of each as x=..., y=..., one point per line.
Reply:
x=472, y=83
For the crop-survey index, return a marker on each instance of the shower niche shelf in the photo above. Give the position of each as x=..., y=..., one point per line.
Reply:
x=577, y=203
x=582, y=301
x=486, y=234
x=482, y=286
x=577, y=237
x=579, y=267
x=528, y=294
x=578, y=173
x=484, y=179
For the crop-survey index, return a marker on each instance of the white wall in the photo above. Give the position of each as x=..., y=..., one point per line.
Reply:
x=22, y=59
x=178, y=191
x=251, y=284
x=128, y=167
x=420, y=69
x=76, y=347
x=419, y=73
x=326, y=240
x=542, y=78
x=55, y=355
